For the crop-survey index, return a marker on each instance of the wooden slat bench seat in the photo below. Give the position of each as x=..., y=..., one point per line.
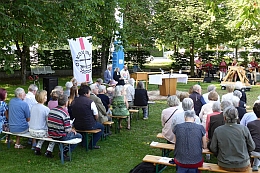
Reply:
x=160, y=135
x=195, y=79
x=87, y=133
x=167, y=148
x=107, y=125
x=61, y=143
x=161, y=164
x=132, y=111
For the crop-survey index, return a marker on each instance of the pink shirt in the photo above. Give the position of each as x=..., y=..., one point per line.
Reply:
x=52, y=104
x=207, y=121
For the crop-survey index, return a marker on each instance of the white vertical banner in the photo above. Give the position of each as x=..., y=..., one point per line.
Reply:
x=81, y=51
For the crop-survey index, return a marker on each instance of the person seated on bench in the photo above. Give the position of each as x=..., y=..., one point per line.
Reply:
x=190, y=139
x=130, y=91
x=30, y=96
x=85, y=112
x=254, y=127
x=104, y=98
x=59, y=127
x=232, y=142
x=3, y=112
x=178, y=118
x=120, y=104
x=38, y=123
x=102, y=113
x=141, y=98
x=19, y=115
x=167, y=116
x=54, y=99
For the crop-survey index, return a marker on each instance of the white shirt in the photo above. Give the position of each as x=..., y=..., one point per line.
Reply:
x=94, y=108
x=248, y=117
x=205, y=110
x=125, y=74
x=38, y=119
x=227, y=97
x=130, y=92
x=30, y=99
x=206, y=95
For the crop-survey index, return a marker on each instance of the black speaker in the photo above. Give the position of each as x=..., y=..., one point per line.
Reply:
x=207, y=79
x=49, y=83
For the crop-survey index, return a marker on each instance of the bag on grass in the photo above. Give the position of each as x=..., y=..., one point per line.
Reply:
x=143, y=167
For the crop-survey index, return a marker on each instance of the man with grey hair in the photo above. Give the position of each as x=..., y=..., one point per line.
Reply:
x=197, y=98
x=130, y=91
x=102, y=113
x=187, y=104
x=108, y=74
x=103, y=97
x=210, y=88
x=19, y=115
x=241, y=110
x=30, y=96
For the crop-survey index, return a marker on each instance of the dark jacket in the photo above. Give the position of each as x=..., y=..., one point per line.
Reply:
x=243, y=98
x=81, y=111
x=141, y=97
x=198, y=101
x=116, y=78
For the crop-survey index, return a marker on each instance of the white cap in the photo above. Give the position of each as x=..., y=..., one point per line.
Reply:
x=69, y=84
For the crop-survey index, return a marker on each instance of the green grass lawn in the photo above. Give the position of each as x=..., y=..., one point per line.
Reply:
x=118, y=154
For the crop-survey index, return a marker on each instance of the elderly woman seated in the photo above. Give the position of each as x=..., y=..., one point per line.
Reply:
x=120, y=104
x=207, y=108
x=167, y=116
x=232, y=142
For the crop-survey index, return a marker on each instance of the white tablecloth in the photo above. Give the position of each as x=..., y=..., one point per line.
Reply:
x=157, y=79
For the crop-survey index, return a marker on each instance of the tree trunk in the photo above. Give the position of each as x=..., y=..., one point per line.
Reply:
x=104, y=56
x=192, y=58
x=236, y=51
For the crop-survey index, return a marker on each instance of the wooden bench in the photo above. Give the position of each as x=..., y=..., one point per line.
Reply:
x=132, y=111
x=61, y=143
x=159, y=161
x=87, y=133
x=195, y=79
x=167, y=148
x=117, y=124
x=107, y=125
x=160, y=135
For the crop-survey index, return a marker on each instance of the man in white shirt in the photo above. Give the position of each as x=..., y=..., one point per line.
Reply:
x=30, y=96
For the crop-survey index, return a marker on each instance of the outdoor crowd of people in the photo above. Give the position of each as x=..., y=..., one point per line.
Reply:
x=223, y=126
x=82, y=106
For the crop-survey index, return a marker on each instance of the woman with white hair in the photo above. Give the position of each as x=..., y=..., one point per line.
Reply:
x=167, y=116
x=190, y=139
x=238, y=94
x=229, y=95
x=130, y=91
x=216, y=109
x=239, y=86
x=241, y=110
x=232, y=142
x=120, y=104
x=207, y=108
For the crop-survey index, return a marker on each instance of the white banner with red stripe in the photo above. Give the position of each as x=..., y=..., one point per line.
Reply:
x=81, y=51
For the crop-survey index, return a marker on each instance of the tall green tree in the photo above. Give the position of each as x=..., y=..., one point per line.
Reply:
x=24, y=23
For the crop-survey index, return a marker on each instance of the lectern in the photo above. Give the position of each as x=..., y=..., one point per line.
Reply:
x=168, y=86
x=138, y=76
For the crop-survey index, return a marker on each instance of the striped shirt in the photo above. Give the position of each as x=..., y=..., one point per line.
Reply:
x=58, y=123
